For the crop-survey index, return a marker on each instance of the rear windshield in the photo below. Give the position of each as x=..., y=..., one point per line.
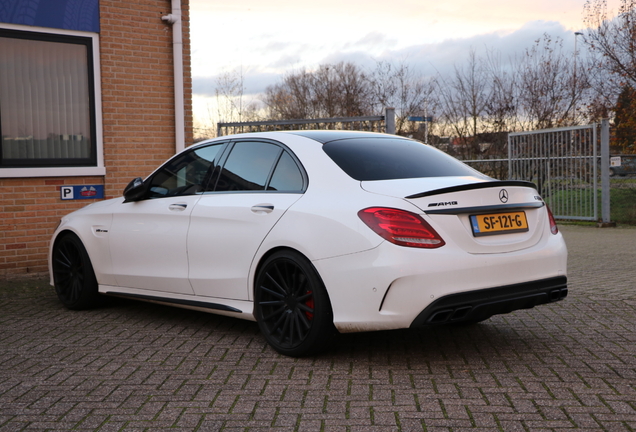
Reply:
x=388, y=158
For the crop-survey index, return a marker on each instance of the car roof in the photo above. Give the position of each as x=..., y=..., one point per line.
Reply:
x=320, y=136
x=325, y=136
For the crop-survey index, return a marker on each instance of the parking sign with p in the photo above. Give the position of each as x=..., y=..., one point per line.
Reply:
x=82, y=192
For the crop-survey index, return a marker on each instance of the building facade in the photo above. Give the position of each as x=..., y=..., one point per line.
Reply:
x=92, y=94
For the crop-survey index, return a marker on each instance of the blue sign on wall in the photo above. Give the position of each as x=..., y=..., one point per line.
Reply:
x=82, y=15
x=82, y=192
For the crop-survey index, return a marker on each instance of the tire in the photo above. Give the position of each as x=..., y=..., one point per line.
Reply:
x=73, y=275
x=612, y=172
x=292, y=306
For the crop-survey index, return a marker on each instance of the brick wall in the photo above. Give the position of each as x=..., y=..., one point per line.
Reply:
x=137, y=88
x=31, y=209
x=138, y=124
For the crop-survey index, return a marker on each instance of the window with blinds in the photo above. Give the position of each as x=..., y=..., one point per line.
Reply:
x=47, y=101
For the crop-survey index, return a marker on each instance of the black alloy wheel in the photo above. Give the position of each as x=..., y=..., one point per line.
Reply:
x=292, y=306
x=73, y=275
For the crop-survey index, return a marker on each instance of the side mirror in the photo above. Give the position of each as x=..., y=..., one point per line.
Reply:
x=135, y=190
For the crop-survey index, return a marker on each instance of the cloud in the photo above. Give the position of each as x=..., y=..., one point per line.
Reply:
x=442, y=57
x=371, y=41
x=277, y=46
x=253, y=82
x=426, y=58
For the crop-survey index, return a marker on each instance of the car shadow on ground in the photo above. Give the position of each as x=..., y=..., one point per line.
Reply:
x=136, y=318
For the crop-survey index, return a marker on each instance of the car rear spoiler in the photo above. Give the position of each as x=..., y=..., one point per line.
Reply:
x=471, y=186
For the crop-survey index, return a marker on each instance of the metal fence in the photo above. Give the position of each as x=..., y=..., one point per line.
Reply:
x=565, y=164
x=493, y=167
x=382, y=123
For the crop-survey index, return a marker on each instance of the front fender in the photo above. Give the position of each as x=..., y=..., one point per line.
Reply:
x=91, y=225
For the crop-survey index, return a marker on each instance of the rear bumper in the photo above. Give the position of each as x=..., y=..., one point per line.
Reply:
x=478, y=305
x=389, y=287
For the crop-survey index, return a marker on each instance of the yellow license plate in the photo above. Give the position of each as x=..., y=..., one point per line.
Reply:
x=499, y=223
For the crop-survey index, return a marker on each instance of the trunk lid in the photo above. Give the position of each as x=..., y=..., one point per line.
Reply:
x=479, y=215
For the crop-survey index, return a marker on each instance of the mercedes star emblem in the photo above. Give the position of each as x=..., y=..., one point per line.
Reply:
x=503, y=195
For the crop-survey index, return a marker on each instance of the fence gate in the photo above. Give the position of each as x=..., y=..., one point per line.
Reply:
x=565, y=165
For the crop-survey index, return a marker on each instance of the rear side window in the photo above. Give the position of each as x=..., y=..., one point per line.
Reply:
x=386, y=159
x=248, y=167
x=259, y=166
x=287, y=176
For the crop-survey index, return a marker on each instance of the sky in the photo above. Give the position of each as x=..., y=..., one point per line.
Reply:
x=265, y=39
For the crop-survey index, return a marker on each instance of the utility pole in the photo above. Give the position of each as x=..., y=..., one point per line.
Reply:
x=576, y=53
x=426, y=123
x=426, y=119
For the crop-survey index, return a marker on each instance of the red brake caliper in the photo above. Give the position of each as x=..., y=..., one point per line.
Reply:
x=310, y=304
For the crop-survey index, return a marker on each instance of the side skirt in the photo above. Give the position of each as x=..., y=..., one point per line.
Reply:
x=242, y=309
x=176, y=302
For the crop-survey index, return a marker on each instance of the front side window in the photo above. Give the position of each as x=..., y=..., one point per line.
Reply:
x=47, y=101
x=186, y=174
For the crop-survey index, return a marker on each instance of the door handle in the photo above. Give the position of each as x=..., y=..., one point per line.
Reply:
x=178, y=206
x=263, y=208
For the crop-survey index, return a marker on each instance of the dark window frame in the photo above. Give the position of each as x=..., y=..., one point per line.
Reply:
x=228, y=151
x=92, y=160
x=185, y=154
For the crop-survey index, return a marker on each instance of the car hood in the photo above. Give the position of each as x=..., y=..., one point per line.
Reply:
x=402, y=188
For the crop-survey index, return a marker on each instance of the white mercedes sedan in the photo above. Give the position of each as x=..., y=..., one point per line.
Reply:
x=310, y=233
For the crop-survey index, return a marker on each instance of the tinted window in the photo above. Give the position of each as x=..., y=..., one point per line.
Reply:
x=248, y=166
x=387, y=158
x=287, y=176
x=186, y=174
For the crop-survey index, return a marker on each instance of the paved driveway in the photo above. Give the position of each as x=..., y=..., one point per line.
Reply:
x=136, y=366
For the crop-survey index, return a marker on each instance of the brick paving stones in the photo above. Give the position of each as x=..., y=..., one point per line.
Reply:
x=132, y=366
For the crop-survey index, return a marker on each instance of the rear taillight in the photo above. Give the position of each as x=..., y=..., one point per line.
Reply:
x=401, y=227
x=553, y=226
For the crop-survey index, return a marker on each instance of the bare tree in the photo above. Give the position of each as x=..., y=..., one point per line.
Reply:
x=345, y=90
x=230, y=104
x=613, y=38
x=548, y=87
x=399, y=87
x=464, y=98
x=204, y=125
x=501, y=109
x=612, y=42
x=290, y=99
x=603, y=92
x=339, y=90
x=229, y=96
x=354, y=89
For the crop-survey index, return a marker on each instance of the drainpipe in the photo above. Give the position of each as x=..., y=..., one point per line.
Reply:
x=174, y=19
